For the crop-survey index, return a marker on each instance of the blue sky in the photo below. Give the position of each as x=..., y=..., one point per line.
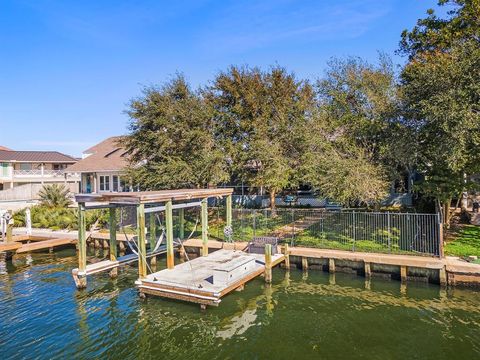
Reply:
x=69, y=68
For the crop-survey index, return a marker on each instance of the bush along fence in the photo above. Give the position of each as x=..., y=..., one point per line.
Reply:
x=382, y=232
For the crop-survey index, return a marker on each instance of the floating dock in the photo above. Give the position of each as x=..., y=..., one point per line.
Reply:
x=205, y=280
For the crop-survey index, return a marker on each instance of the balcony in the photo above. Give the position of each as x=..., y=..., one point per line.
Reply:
x=38, y=173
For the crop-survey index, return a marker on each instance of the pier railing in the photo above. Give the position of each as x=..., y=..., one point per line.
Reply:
x=382, y=232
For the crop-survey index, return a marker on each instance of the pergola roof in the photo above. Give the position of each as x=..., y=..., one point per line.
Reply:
x=151, y=197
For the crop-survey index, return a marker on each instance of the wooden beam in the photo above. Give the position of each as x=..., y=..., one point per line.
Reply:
x=169, y=230
x=268, y=263
x=112, y=222
x=142, y=251
x=204, y=215
x=304, y=263
x=81, y=280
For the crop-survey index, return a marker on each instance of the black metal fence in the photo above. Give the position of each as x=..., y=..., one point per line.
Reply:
x=383, y=232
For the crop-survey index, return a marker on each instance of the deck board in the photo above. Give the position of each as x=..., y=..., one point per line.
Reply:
x=46, y=244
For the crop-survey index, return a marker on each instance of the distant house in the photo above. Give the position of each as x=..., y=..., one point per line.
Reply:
x=102, y=166
x=34, y=167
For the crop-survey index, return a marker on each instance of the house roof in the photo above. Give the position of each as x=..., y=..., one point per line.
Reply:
x=109, y=155
x=5, y=148
x=35, y=156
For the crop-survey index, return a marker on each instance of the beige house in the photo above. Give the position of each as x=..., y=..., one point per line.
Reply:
x=34, y=167
x=101, y=167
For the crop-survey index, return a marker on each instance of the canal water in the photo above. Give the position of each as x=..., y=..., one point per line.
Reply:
x=301, y=315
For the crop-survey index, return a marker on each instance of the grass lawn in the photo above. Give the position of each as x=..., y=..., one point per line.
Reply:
x=466, y=242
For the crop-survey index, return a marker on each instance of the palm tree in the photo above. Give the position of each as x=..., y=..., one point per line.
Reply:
x=54, y=196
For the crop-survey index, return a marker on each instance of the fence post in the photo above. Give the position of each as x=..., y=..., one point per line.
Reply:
x=440, y=237
x=254, y=214
x=293, y=226
x=388, y=232
x=354, y=230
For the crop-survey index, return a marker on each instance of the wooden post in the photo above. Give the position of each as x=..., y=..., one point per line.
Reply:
x=229, y=210
x=81, y=280
x=181, y=223
x=331, y=265
x=304, y=263
x=443, y=276
x=204, y=227
x=368, y=270
x=286, y=252
x=142, y=251
x=152, y=238
x=403, y=273
x=169, y=229
x=112, y=224
x=10, y=227
x=268, y=263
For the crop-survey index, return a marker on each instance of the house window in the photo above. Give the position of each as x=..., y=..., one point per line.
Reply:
x=104, y=183
x=59, y=166
x=25, y=166
x=4, y=171
x=115, y=182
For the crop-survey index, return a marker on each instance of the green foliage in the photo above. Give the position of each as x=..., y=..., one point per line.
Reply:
x=60, y=218
x=465, y=243
x=441, y=93
x=435, y=34
x=262, y=119
x=171, y=140
x=54, y=196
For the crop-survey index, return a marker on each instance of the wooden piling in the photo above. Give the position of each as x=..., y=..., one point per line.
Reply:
x=152, y=238
x=286, y=252
x=112, y=224
x=10, y=228
x=403, y=273
x=268, y=263
x=169, y=230
x=204, y=215
x=368, y=271
x=81, y=279
x=304, y=263
x=331, y=265
x=142, y=251
x=443, y=276
x=229, y=210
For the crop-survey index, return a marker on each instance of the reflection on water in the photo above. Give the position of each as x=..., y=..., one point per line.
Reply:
x=306, y=315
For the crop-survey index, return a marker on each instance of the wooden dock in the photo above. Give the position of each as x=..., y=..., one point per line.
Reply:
x=193, y=281
x=28, y=243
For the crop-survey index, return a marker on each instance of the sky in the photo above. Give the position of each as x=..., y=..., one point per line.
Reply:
x=68, y=69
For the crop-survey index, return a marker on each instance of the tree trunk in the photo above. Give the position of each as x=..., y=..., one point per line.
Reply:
x=272, y=202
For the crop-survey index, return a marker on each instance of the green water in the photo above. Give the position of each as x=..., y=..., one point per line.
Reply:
x=308, y=316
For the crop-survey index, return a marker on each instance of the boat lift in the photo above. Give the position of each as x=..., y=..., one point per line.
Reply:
x=147, y=202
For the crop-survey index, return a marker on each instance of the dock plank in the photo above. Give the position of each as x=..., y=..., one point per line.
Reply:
x=42, y=245
x=10, y=246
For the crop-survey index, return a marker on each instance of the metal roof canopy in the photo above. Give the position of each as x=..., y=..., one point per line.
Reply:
x=152, y=197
